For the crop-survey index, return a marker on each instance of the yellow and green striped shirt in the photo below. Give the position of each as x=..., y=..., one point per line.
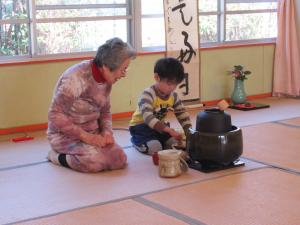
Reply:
x=152, y=109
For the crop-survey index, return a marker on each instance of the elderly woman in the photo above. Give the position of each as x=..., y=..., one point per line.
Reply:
x=79, y=120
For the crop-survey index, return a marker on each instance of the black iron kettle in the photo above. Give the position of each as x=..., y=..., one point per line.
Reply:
x=213, y=121
x=215, y=140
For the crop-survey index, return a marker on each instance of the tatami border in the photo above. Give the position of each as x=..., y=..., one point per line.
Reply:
x=168, y=211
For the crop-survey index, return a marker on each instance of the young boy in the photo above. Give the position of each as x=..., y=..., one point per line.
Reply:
x=149, y=131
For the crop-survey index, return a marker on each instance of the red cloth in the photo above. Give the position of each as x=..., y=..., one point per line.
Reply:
x=245, y=105
x=97, y=74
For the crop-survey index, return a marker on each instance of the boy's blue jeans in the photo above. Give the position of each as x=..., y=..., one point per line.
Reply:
x=142, y=133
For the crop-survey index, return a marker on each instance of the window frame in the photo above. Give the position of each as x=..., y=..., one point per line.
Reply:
x=36, y=21
x=133, y=17
x=32, y=23
x=221, y=24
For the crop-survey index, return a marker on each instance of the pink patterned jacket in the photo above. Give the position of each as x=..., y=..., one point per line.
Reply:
x=79, y=103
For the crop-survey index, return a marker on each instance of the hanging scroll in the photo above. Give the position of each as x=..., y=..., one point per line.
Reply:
x=182, y=42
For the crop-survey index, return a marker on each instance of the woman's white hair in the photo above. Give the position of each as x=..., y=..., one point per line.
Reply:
x=113, y=53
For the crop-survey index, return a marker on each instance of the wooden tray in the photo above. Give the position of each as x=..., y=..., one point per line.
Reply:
x=249, y=106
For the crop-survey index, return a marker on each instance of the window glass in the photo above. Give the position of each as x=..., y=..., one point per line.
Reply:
x=14, y=39
x=208, y=21
x=153, y=32
x=70, y=34
x=208, y=5
x=152, y=24
x=250, y=19
x=152, y=7
x=12, y=9
x=54, y=38
x=208, y=29
x=14, y=28
x=251, y=26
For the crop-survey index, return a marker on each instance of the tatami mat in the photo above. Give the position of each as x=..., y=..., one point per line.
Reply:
x=45, y=189
x=31, y=187
x=20, y=154
x=126, y=212
x=280, y=109
x=265, y=196
x=37, y=149
x=23, y=153
x=273, y=143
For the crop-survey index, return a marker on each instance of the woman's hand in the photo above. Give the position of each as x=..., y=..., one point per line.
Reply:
x=108, y=138
x=93, y=139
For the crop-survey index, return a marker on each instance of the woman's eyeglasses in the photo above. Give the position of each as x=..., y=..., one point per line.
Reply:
x=125, y=70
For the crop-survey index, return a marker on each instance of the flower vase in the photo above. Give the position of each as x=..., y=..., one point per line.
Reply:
x=238, y=95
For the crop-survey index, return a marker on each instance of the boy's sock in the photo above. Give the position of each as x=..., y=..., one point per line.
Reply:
x=170, y=142
x=149, y=147
x=154, y=146
x=141, y=148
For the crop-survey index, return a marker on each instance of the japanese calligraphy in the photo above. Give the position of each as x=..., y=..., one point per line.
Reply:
x=182, y=41
x=181, y=13
x=187, y=52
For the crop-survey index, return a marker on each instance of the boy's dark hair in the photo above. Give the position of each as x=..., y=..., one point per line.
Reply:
x=169, y=69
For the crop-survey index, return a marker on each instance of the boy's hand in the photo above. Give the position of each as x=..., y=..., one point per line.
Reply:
x=173, y=133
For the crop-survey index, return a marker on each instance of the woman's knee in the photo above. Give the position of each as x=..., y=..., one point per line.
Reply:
x=116, y=159
x=112, y=157
x=119, y=163
x=82, y=164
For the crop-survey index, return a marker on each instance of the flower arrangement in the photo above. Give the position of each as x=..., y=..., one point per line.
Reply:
x=238, y=73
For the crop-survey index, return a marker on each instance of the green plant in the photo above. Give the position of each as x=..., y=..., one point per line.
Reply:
x=238, y=72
